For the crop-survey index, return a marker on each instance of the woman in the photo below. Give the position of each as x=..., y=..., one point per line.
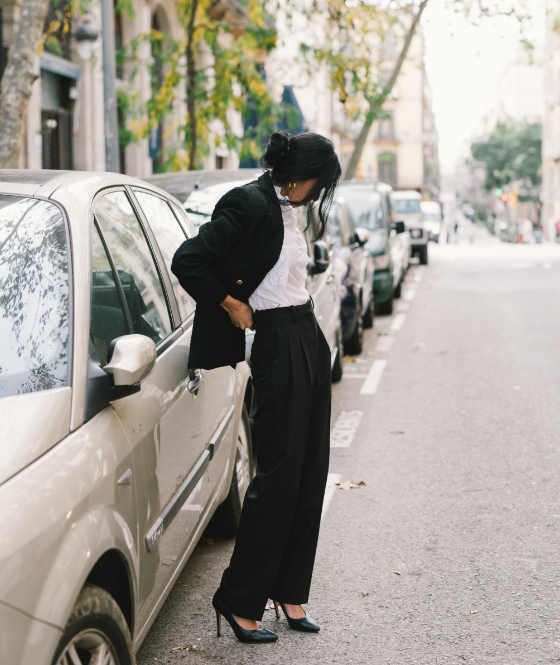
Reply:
x=247, y=269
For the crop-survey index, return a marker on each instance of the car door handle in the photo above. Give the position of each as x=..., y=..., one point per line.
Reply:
x=329, y=279
x=195, y=376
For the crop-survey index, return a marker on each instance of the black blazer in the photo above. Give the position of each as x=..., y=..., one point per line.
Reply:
x=230, y=256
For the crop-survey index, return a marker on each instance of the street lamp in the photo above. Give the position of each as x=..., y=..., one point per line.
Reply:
x=85, y=36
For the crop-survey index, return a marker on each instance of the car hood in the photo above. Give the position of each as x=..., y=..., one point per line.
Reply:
x=377, y=242
x=30, y=425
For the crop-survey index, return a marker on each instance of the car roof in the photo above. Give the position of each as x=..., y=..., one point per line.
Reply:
x=406, y=194
x=371, y=185
x=182, y=184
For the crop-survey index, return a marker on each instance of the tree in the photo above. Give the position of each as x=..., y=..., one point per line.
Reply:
x=217, y=61
x=352, y=50
x=511, y=153
x=18, y=79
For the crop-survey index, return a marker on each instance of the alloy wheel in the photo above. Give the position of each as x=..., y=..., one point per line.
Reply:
x=242, y=462
x=89, y=647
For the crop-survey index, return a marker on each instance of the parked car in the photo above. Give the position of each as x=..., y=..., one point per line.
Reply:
x=356, y=271
x=407, y=209
x=371, y=207
x=115, y=453
x=323, y=281
x=432, y=219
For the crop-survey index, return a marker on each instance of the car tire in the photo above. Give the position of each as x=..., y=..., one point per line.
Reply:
x=337, y=368
x=228, y=513
x=353, y=346
x=368, y=319
x=398, y=291
x=386, y=307
x=423, y=255
x=96, y=632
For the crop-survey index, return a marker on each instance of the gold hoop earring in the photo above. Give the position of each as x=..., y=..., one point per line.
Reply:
x=291, y=186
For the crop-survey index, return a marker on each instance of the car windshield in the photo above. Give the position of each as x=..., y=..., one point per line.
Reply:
x=201, y=203
x=405, y=206
x=34, y=296
x=365, y=206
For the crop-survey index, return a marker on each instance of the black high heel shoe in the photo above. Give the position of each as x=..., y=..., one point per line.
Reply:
x=259, y=636
x=305, y=624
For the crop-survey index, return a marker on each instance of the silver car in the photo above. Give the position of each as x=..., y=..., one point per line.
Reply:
x=114, y=453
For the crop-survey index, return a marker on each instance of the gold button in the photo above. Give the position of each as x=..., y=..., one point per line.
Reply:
x=239, y=282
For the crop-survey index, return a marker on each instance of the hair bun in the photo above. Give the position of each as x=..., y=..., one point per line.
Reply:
x=276, y=149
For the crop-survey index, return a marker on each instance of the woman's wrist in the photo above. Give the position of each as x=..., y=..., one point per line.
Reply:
x=230, y=304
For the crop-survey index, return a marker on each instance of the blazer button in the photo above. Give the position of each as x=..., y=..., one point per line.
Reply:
x=239, y=282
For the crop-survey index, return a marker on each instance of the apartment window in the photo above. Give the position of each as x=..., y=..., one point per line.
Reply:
x=386, y=126
x=387, y=167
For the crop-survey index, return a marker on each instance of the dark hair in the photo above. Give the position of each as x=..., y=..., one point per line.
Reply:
x=305, y=156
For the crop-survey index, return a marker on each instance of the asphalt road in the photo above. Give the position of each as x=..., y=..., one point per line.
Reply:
x=449, y=552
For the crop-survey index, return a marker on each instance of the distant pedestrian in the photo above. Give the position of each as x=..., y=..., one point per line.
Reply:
x=247, y=268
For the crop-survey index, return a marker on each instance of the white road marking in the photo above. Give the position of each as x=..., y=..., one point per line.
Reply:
x=398, y=322
x=373, y=377
x=385, y=343
x=418, y=276
x=344, y=430
x=410, y=294
x=332, y=479
x=346, y=375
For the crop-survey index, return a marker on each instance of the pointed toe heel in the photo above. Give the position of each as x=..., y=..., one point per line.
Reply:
x=259, y=636
x=305, y=624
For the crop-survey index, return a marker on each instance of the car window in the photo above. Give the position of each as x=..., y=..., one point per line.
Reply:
x=34, y=296
x=169, y=235
x=108, y=319
x=135, y=266
x=339, y=227
x=406, y=206
x=366, y=208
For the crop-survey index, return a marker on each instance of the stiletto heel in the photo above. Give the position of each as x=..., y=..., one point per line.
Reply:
x=276, y=608
x=258, y=636
x=219, y=621
x=305, y=624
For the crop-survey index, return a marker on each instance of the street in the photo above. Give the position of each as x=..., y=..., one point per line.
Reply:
x=448, y=552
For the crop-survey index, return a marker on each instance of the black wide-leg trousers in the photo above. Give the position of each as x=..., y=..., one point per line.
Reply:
x=275, y=548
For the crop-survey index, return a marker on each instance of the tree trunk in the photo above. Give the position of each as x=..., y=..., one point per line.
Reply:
x=376, y=104
x=18, y=79
x=191, y=87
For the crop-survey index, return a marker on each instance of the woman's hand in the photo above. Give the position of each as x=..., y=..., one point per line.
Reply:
x=241, y=315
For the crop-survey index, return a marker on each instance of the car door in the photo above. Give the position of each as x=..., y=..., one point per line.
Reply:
x=361, y=258
x=219, y=382
x=165, y=420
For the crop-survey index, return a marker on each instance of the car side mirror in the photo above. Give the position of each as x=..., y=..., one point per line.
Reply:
x=321, y=258
x=399, y=227
x=361, y=236
x=131, y=359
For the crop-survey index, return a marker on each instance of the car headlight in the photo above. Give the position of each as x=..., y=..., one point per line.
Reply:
x=381, y=262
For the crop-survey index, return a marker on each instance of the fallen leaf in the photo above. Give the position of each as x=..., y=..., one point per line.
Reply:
x=397, y=572
x=350, y=485
x=337, y=542
x=208, y=541
x=348, y=359
x=184, y=647
x=269, y=605
x=474, y=611
x=365, y=593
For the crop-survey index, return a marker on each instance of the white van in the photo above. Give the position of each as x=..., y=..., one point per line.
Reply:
x=406, y=207
x=431, y=217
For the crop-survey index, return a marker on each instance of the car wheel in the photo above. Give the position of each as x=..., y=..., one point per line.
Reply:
x=386, y=307
x=96, y=632
x=355, y=343
x=423, y=255
x=229, y=512
x=398, y=291
x=367, y=321
x=337, y=368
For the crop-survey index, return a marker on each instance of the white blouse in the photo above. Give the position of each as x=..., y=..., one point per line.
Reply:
x=284, y=285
